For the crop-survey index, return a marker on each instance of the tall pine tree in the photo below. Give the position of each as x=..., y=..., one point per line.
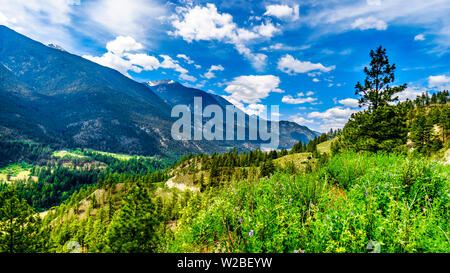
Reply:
x=376, y=90
x=132, y=229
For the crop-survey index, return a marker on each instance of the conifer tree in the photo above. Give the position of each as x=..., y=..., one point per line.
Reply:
x=20, y=228
x=132, y=229
x=376, y=91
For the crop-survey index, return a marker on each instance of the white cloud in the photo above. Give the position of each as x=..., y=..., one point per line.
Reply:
x=266, y=30
x=186, y=58
x=206, y=24
x=114, y=61
x=251, y=89
x=283, y=12
x=419, y=37
x=316, y=80
x=258, y=60
x=349, y=102
x=335, y=118
x=290, y=65
x=43, y=22
x=334, y=112
x=190, y=78
x=301, y=120
x=147, y=62
x=283, y=47
x=299, y=100
x=210, y=74
x=122, y=44
x=120, y=56
x=369, y=23
x=136, y=18
x=410, y=93
x=170, y=63
x=330, y=16
x=439, y=81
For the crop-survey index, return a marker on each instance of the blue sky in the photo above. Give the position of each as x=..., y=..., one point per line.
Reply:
x=305, y=56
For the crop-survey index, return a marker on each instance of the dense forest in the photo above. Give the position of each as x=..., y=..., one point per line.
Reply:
x=383, y=178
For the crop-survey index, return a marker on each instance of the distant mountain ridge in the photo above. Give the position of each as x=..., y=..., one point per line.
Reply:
x=174, y=93
x=52, y=96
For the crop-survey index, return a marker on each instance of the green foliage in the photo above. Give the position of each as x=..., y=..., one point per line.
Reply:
x=376, y=91
x=400, y=202
x=383, y=129
x=132, y=228
x=20, y=230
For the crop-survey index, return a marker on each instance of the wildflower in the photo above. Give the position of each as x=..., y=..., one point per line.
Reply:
x=240, y=220
x=351, y=212
x=365, y=194
x=302, y=251
x=250, y=233
x=295, y=251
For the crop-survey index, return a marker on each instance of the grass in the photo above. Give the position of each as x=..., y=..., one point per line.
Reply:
x=80, y=154
x=16, y=171
x=398, y=201
x=117, y=156
x=297, y=159
x=325, y=147
x=69, y=154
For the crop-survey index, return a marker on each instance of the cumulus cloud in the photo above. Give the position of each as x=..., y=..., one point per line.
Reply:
x=283, y=12
x=349, y=102
x=121, y=44
x=411, y=93
x=301, y=120
x=300, y=99
x=335, y=117
x=114, y=61
x=290, y=65
x=210, y=74
x=122, y=57
x=206, y=23
x=439, y=81
x=369, y=23
x=251, y=89
x=266, y=29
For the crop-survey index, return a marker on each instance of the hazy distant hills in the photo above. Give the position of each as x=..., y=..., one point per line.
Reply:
x=51, y=96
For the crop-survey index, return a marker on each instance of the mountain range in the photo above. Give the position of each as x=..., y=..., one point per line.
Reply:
x=51, y=96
